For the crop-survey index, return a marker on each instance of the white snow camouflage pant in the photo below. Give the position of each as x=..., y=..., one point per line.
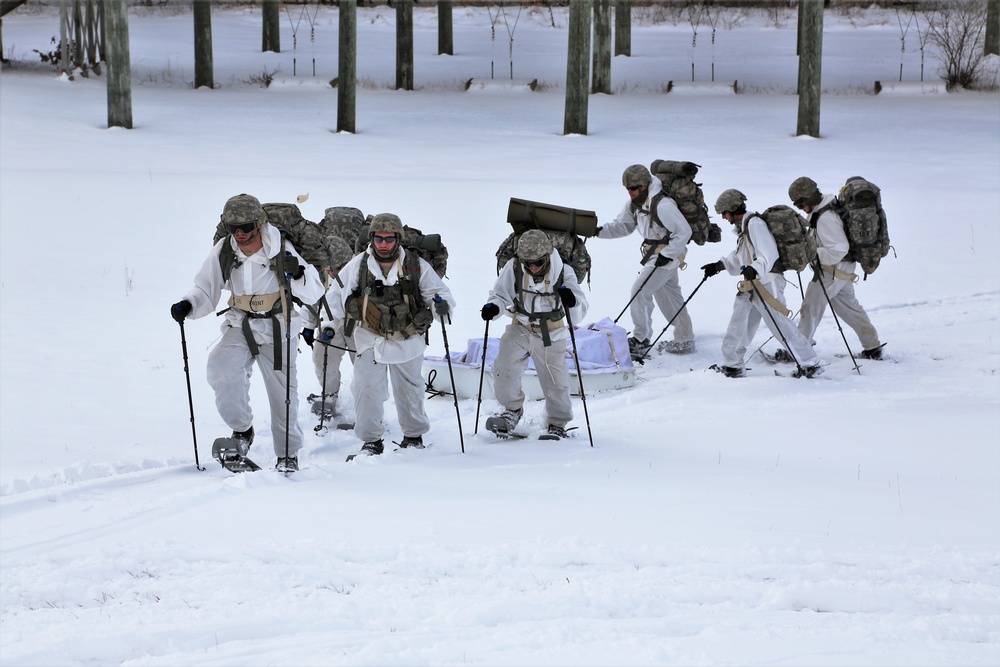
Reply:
x=371, y=390
x=518, y=344
x=665, y=288
x=845, y=305
x=748, y=310
x=331, y=357
x=230, y=366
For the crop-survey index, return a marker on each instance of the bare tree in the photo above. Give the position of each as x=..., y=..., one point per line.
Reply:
x=958, y=29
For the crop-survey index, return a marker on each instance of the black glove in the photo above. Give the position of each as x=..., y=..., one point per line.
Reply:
x=597, y=232
x=749, y=272
x=441, y=307
x=662, y=260
x=713, y=268
x=290, y=265
x=180, y=310
x=490, y=311
x=567, y=296
x=328, y=333
x=307, y=336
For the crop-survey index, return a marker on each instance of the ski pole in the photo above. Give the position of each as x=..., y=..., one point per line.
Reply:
x=683, y=306
x=322, y=389
x=187, y=376
x=761, y=346
x=776, y=327
x=482, y=373
x=636, y=294
x=836, y=319
x=579, y=373
x=451, y=375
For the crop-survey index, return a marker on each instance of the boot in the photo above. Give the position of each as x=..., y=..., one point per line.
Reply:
x=505, y=421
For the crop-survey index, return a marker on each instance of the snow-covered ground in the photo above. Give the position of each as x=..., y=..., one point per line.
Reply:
x=852, y=519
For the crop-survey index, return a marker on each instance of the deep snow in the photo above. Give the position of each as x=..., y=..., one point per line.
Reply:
x=853, y=519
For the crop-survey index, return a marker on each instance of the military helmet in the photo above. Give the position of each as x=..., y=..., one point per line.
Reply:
x=636, y=174
x=340, y=253
x=386, y=223
x=242, y=209
x=533, y=245
x=804, y=192
x=730, y=201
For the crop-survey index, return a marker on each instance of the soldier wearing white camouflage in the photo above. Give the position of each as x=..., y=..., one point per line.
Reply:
x=329, y=348
x=663, y=250
x=258, y=264
x=755, y=255
x=534, y=289
x=836, y=270
x=391, y=308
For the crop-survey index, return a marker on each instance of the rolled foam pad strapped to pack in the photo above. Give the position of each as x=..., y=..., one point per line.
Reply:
x=551, y=217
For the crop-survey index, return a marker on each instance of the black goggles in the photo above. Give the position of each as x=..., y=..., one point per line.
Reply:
x=246, y=227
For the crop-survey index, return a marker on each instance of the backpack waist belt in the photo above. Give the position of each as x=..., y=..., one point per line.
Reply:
x=251, y=306
x=650, y=248
x=543, y=328
x=837, y=273
x=756, y=286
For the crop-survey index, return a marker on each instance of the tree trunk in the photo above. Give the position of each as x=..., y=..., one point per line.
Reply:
x=271, y=29
x=347, y=79
x=991, y=44
x=404, y=44
x=446, y=41
x=810, y=62
x=577, y=67
x=602, y=47
x=119, y=64
x=203, y=66
x=623, y=28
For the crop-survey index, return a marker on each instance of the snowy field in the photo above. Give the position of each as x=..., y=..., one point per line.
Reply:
x=849, y=520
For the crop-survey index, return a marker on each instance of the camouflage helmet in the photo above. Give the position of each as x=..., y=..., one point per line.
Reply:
x=534, y=244
x=804, y=192
x=636, y=174
x=340, y=252
x=386, y=223
x=730, y=201
x=243, y=208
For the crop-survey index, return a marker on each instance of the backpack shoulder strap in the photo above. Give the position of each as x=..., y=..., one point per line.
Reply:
x=653, y=214
x=227, y=259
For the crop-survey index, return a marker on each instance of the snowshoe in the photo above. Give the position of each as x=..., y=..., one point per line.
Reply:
x=414, y=442
x=231, y=453
x=502, y=424
x=555, y=433
x=676, y=347
x=728, y=371
x=373, y=448
x=874, y=354
x=287, y=464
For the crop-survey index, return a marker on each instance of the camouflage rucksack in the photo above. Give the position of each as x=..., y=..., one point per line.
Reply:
x=306, y=236
x=343, y=221
x=796, y=246
x=677, y=179
x=428, y=246
x=859, y=205
x=571, y=249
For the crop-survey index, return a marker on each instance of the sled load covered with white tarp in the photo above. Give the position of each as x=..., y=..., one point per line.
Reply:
x=604, y=361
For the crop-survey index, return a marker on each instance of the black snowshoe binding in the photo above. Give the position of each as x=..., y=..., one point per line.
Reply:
x=502, y=424
x=287, y=464
x=373, y=448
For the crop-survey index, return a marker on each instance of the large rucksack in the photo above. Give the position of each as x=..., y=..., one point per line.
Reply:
x=562, y=225
x=796, y=246
x=428, y=246
x=677, y=179
x=343, y=221
x=859, y=205
x=306, y=236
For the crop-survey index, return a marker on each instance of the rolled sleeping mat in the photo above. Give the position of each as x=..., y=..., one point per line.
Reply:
x=524, y=214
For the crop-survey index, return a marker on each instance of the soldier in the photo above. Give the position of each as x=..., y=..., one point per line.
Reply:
x=259, y=270
x=755, y=254
x=534, y=289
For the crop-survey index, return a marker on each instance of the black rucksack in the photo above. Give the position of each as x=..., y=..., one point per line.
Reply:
x=306, y=236
x=677, y=179
x=859, y=205
x=796, y=246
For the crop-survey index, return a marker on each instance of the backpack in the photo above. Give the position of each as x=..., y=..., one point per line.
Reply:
x=428, y=246
x=796, y=246
x=306, y=236
x=343, y=221
x=859, y=205
x=677, y=179
x=571, y=248
x=564, y=227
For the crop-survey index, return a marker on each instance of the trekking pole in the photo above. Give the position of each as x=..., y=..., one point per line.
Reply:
x=683, y=305
x=451, y=376
x=837, y=319
x=482, y=373
x=802, y=292
x=777, y=328
x=322, y=390
x=579, y=373
x=636, y=294
x=187, y=376
x=761, y=346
